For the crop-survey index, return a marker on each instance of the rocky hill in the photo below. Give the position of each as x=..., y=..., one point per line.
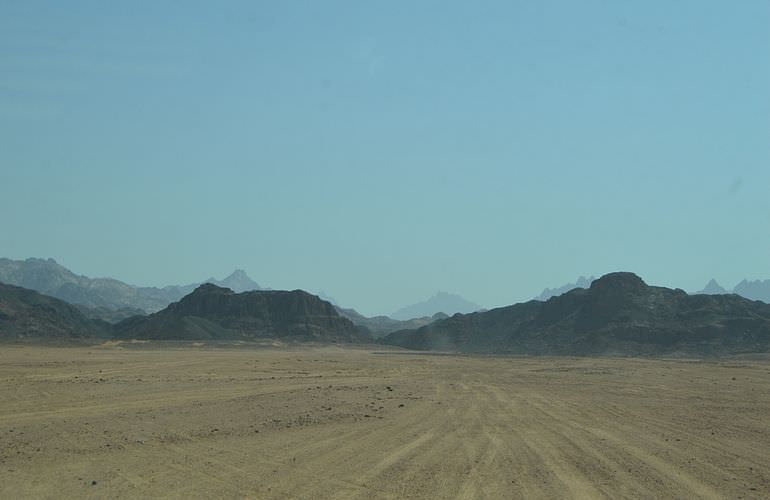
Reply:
x=213, y=312
x=618, y=315
x=26, y=313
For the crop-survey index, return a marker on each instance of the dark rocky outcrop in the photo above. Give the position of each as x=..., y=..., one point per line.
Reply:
x=213, y=312
x=618, y=315
x=27, y=314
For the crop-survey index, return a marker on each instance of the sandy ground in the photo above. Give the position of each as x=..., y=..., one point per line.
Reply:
x=325, y=422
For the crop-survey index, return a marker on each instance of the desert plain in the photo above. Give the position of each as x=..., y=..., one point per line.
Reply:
x=193, y=420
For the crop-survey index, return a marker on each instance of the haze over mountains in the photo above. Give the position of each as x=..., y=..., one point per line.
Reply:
x=754, y=290
x=618, y=315
x=113, y=300
x=441, y=302
x=379, y=326
x=582, y=282
x=103, y=296
x=713, y=288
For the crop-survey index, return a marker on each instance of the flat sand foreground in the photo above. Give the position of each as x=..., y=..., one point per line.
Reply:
x=158, y=420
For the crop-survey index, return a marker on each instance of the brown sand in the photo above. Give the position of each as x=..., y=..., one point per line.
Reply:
x=149, y=420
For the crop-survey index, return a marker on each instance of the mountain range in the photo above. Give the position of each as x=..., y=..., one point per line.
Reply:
x=102, y=297
x=213, y=312
x=754, y=290
x=619, y=314
x=112, y=300
x=582, y=282
x=441, y=302
x=616, y=314
x=379, y=326
x=209, y=312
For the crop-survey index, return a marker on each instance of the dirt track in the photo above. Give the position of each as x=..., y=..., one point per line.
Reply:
x=143, y=421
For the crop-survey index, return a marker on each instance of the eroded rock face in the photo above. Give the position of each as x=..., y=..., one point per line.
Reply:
x=619, y=314
x=216, y=312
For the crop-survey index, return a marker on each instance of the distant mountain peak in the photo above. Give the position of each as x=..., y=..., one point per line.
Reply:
x=754, y=290
x=238, y=281
x=46, y=276
x=582, y=282
x=712, y=288
x=441, y=302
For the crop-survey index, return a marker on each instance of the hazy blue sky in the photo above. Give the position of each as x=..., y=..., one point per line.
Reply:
x=381, y=151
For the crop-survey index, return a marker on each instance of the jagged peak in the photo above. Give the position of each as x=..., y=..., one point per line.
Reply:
x=713, y=288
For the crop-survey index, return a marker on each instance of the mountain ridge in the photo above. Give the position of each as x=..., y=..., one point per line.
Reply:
x=213, y=312
x=26, y=313
x=619, y=314
x=440, y=302
x=379, y=326
x=102, y=295
x=582, y=282
x=750, y=289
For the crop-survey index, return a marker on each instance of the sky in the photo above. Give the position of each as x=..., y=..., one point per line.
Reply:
x=381, y=151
